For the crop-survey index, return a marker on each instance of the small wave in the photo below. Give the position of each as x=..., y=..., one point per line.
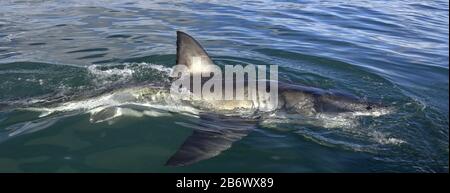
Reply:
x=95, y=70
x=384, y=139
x=22, y=72
x=346, y=131
x=125, y=71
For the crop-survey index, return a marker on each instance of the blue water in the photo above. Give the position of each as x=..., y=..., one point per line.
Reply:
x=396, y=51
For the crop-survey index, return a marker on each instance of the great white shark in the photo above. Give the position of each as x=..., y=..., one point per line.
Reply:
x=237, y=118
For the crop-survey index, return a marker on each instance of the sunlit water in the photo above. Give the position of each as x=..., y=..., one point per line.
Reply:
x=394, y=51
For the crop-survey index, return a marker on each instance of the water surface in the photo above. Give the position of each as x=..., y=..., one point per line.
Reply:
x=395, y=51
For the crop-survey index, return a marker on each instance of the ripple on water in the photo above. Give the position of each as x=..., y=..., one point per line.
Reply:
x=393, y=51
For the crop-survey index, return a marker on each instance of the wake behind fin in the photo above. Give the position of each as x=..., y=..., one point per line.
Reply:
x=191, y=53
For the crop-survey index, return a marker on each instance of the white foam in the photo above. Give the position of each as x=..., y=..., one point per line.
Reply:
x=384, y=139
x=117, y=73
x=127, y=71
x=124, y=73
x=157, y=67
x=375, y=113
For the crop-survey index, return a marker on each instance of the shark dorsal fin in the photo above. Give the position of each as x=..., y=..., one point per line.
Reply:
x=191, y=53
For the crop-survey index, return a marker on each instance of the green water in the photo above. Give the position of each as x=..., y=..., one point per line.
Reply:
x=394, y=51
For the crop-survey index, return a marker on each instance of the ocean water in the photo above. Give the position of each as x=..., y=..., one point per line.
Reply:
x=395, y=51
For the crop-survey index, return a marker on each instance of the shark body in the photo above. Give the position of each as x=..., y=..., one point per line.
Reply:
x=208, y=139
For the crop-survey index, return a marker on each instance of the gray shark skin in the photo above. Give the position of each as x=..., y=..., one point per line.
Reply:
x=220, y=123
x=293, y=99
